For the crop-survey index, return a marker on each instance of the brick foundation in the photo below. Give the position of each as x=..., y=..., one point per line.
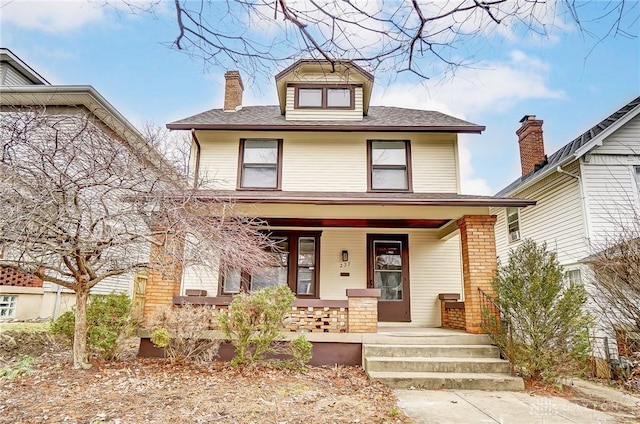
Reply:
x=478, y=264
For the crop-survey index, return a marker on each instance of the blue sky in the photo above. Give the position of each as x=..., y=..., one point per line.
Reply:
x=569, y=79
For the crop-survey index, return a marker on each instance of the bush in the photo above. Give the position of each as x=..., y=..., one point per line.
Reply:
x=546, y=313
x=254, y=325
x=301, y=351
x=108, y=323
x=181, y=332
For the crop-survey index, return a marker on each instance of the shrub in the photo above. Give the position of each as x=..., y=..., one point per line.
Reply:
x=301, y=351
x=108, y=323
x=254, y=324
x=181, y=332
x=546, y=313
x=24, y=366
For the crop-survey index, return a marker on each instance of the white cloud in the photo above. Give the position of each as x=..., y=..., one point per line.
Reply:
x=492, y=87
x=52, y=16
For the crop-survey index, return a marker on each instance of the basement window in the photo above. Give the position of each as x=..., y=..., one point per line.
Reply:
x=8, y=306
x=513, y=224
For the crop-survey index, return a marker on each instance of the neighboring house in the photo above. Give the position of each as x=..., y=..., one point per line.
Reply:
x=363, y=201
x=23, y=296
x=586, y=192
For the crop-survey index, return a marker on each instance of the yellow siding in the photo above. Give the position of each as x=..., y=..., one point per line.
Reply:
x=332, y=161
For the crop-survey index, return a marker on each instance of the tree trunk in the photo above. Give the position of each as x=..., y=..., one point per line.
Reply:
x=80, y=332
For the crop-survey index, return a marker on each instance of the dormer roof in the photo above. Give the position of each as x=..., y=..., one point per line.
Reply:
x=7, y=56
x=324, y=71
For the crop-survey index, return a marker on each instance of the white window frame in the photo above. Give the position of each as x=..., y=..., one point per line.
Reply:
x=574, y=276
x=516, y=235
x=8, y=306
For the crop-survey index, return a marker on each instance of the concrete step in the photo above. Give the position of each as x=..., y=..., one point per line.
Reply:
x=445, y=365
x=455, y=338
x=432, y=351
x=445, y=380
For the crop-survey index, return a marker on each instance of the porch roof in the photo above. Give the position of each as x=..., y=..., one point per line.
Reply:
x=363, y=198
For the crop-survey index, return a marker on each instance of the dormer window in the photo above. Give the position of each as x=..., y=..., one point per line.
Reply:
x=324, y=97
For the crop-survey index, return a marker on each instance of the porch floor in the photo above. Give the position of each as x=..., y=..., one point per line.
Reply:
x=383, y=330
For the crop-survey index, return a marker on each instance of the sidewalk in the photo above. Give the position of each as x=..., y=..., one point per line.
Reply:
x=472, y=406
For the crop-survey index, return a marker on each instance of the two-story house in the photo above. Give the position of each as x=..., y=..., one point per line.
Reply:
x=358, y=197
x=22, y=89
x=587, y=194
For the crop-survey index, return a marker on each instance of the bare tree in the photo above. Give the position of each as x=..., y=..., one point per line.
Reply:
x=80, y=204
x=411, y=36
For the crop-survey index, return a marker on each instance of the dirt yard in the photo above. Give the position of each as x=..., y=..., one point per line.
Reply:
x=153, y=391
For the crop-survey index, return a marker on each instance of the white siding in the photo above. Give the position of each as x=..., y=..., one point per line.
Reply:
x=557, y=219
x=12, y=77
x=625, y=141
x=612, y=199
x=354, y=114
x=331, y=161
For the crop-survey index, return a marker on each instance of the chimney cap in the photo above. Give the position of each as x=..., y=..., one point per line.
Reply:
x=528, y=118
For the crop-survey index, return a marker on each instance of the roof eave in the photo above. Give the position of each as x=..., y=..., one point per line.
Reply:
x=476, y=129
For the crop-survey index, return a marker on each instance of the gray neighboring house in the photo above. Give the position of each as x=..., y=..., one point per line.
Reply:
x=24, y=297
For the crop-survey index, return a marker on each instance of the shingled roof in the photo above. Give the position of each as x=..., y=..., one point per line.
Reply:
x=569, y=150
x=380, y=118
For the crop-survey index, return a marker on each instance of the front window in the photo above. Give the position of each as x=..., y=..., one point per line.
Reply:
x=296, y=257
x=389, y=166
x=8, y=306
x=260, y=164
x=322, y=97
x=513, y=224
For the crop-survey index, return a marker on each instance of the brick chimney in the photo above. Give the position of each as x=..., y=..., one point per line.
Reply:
x=233, y=89
x=531, y=143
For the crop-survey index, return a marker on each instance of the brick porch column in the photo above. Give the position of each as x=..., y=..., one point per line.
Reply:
x=165, y=273
x=478, y=264
x=363, y=310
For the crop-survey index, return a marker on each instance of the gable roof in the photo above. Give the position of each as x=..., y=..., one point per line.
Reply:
x=577, y=147
x=380, y=118
x=88, y=97
x=25, y=70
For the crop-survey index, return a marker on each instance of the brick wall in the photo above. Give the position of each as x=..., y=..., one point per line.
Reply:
x=453, y=315
x=12, y=277
x=318, y=319
x=363, y=310
x=478, y=264
x=531, y=143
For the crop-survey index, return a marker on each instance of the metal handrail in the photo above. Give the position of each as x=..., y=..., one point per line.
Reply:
x=487, y=303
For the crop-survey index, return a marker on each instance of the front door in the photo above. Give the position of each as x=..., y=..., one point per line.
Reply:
x=388, y=270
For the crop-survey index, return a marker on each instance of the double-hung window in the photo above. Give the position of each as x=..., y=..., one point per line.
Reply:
x=296, y=256
x=513, y=224
x=328, y=97
x=261, y=163
x=389, y=165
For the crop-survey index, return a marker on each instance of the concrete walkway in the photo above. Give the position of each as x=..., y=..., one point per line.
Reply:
x=472, y=406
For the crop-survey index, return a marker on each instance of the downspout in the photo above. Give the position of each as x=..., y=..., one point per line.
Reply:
x=56, y=305
x=196, y=167
x=583, y=202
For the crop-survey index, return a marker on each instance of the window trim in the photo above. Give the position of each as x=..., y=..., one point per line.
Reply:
x=292, y=266
x=506, y=212
x=241, y=164
x=11, y=305
x=407, y=147
x=324, y=88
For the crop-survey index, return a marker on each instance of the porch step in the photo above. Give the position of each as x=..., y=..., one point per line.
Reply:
x=432, y=351
x=437, y=365
x=457, y=338
x=447, y=380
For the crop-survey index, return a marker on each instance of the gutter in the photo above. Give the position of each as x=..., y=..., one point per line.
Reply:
x=476, y=129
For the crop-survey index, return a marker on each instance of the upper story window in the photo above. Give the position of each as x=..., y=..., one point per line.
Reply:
x=260, y=164
x=319, y=97
x=513, y=224
x=297, y=256
x=389, y=165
